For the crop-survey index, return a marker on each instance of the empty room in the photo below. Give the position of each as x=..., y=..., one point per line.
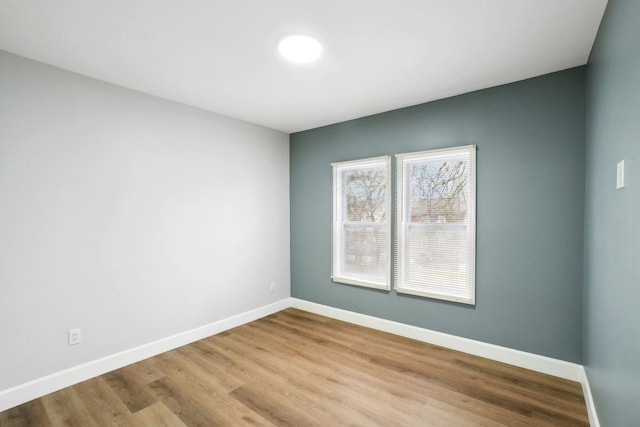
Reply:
x=320, y=213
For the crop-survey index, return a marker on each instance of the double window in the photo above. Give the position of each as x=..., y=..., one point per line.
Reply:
x=435, y=223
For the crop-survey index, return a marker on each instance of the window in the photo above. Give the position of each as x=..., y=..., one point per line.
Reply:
x=435, y=253
x=362, y=223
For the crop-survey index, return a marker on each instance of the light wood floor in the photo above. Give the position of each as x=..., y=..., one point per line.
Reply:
x=299, y=369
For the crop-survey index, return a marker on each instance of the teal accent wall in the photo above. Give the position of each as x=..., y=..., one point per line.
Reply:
x=530, y=211
x=612, y=220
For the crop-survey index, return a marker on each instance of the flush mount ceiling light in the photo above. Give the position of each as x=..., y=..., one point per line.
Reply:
x=300, y=48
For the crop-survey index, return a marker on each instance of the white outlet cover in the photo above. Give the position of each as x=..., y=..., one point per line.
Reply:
x=75, y=336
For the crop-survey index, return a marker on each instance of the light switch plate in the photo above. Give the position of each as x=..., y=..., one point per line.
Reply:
x=620, y=175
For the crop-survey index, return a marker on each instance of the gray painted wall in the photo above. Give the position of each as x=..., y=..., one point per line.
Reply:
x=128, y=216
x=530, y=138
x=612, y=222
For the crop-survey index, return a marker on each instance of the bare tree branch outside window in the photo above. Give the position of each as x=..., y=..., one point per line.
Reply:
x=365, y=195
x=438, y=191
x=365, y=192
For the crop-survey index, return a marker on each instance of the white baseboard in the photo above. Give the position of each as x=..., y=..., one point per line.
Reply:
x=39, y=387
x=588, y=398
x=547, y=365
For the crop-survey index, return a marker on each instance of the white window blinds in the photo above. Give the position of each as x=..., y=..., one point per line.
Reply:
x=361, y=222
x=435, y=236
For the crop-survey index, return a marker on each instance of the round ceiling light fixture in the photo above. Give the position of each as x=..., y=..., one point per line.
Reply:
x=300, y=48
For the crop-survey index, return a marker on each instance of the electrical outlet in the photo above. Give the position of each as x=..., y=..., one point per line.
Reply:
x=272, y=286
x=75, y=336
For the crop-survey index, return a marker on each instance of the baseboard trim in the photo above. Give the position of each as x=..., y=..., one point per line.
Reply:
x=546, y=365
x=588, y=397
x=42, y=386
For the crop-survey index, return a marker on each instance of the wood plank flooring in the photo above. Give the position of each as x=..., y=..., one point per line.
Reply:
x=295, y=368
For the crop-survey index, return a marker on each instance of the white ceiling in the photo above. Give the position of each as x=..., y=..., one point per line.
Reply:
x=378, y=55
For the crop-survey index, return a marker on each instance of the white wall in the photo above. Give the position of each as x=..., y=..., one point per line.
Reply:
x=131, y=217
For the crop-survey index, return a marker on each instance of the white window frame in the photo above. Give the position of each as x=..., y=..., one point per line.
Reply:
x=339, y=275
x=403, y=222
